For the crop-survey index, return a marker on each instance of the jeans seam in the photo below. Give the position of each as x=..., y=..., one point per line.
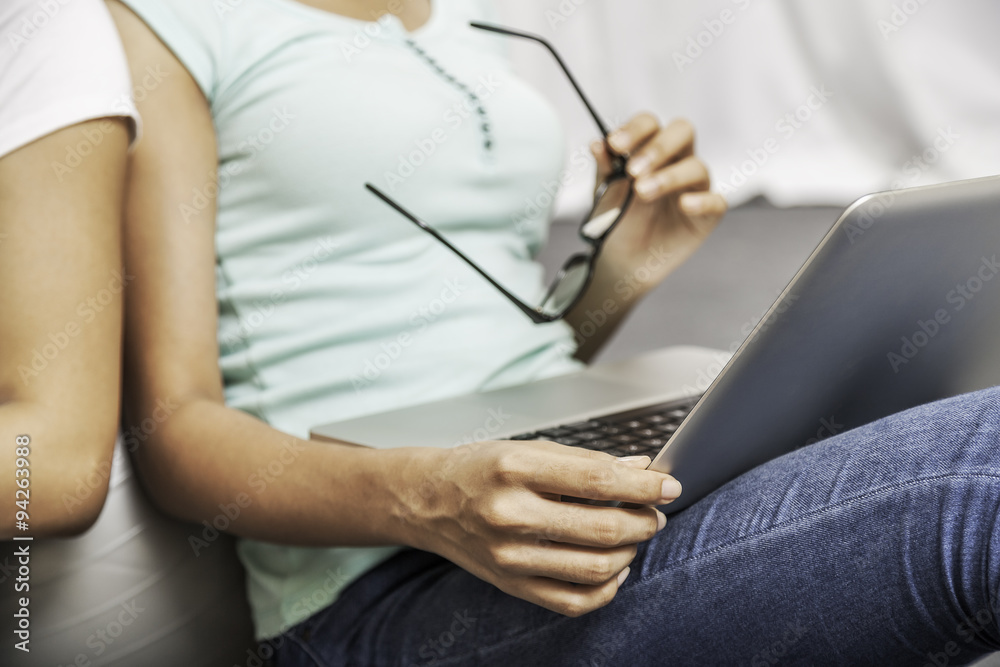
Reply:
x=811, y=515
x=824, y=510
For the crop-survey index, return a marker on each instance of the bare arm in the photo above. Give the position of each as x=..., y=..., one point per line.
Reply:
x=60, y=323
x=483, y=506
x=194, y=453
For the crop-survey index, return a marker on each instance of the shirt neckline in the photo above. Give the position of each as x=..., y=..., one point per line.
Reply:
x=388, y=20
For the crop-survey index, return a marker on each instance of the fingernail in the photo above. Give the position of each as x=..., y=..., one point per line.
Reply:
x=638, y=165
x=626, y=459
x=694, y=204
x=618, y=140
x=597, y=147
x=623, y=575
x=670, y=490
x=646, y=188
x=661, y=520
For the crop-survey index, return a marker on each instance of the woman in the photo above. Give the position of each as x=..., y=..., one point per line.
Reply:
x=300, y=280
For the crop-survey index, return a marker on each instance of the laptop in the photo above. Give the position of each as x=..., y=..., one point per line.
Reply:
x=899, y=305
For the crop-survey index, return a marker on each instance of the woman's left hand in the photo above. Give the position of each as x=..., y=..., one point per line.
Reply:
x=672, y=211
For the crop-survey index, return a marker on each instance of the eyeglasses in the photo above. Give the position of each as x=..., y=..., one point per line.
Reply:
x=611, y=199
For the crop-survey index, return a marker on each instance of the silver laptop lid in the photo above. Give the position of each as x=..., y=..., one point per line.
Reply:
x=899, y=305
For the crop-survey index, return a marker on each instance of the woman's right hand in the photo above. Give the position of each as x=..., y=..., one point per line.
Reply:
x=494, y=509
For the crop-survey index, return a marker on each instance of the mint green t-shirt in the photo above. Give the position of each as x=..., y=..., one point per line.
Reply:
x=331, y=305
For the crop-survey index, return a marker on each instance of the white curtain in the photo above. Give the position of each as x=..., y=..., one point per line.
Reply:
x=803, y=101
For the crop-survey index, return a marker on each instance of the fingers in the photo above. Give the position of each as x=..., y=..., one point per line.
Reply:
x=663, y=164
x=526, y=517
x=603, y=159
x=688, y=174
x=633, y=134
x=704, y=208
x=669, y=144
x=570, y=471
x=558, y=561
x=604, y=527
x=570, y=558
x=566, y=598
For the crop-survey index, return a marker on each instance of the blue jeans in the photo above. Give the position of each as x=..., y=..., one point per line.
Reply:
x=880, y=546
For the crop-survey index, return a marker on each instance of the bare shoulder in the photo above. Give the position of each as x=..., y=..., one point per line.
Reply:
x=139, y=40
x=154, y=67
x=171, y=309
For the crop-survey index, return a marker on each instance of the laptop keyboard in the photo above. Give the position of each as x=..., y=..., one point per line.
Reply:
x=638, y=432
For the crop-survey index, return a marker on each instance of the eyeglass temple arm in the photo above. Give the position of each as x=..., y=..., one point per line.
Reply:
x=541, y=40
x=535, y=316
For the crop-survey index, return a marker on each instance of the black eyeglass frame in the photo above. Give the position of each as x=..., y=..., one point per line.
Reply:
x=596, y=243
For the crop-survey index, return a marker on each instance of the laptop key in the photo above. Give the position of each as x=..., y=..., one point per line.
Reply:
x=556, y=432
x=632, y=433
x=601, y=445
x=634, y=449
x=582, y=426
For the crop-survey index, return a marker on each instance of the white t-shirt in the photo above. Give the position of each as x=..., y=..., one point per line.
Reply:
x=61, y=63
